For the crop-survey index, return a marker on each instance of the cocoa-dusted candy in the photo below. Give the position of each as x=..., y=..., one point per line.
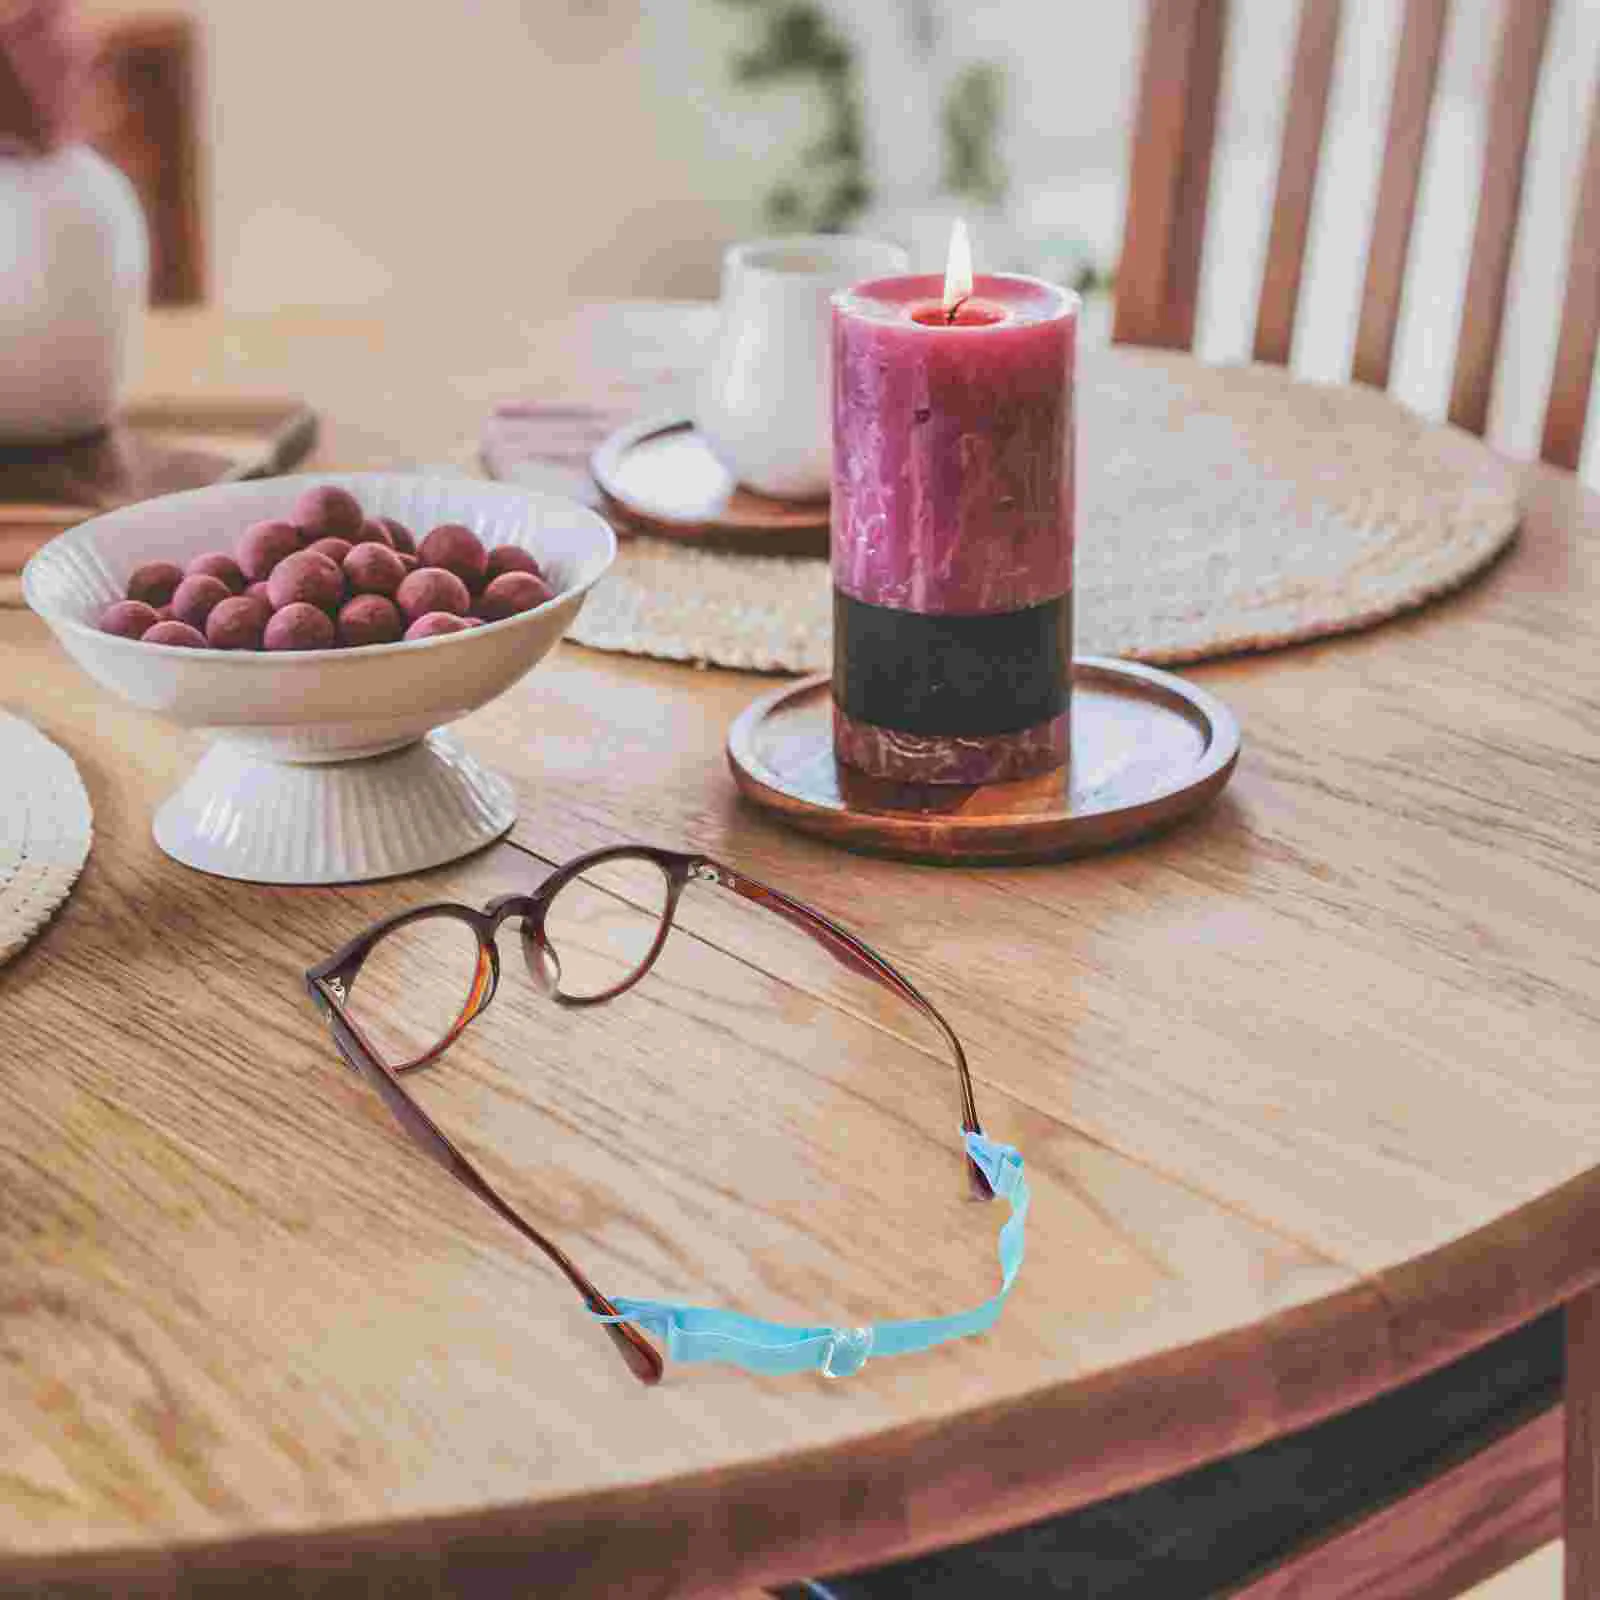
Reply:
x=504, y=558
x=374, y=569
x=436, y=623
x=327, y=510
x=369, y=619
x=217, y=564
x=334, y=549
x=299, y=626
x=306, y=578
x=154, y=582
x=196, y=598
x=178, y=633
x=510, y=594
x=263, y=545
x=400, y=536
x=128, y=619
x=431, y=589
x=239, y=623
x=455, y=547
x=373, y=530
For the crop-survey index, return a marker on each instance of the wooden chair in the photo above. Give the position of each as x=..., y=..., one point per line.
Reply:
x=1159, y=276
x=143, y=115
x=1546, y=1470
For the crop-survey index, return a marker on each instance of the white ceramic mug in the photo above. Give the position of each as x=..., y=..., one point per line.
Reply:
x=764, y=403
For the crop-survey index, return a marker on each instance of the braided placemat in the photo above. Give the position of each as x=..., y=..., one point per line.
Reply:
x=1219, y=509
x=45, y=828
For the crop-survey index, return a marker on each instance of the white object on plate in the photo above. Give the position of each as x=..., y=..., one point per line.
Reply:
x=291, y=791
x=72, y=289
x=765, y=401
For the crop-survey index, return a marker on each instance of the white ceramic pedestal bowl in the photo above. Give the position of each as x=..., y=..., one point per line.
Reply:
x=326, y=766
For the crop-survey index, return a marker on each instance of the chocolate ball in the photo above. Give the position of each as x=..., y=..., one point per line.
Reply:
x=306, y=578
x=334, y=549
x=369, y=619
x=238, y=623
x=431, y=589
x=409, y=560
x=178, y=633
x=299, y=627
x=372, y=531
x=400, y=536
x=456, y=549
x=510, y=594
x=217, y=564
x=154, y=582
x=164, y=613
x=263, y=546
x=128, y=619
x=374, y=569
x=325, y=511
x=435, y=623
x=510, y=558
x=196, y=598
x=259, y=588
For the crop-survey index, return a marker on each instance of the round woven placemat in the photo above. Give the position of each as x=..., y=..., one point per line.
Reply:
x=45, y=828
x=1219, y=509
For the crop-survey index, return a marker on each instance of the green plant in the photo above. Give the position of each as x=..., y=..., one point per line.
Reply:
x=970, y=119
x=798, y=41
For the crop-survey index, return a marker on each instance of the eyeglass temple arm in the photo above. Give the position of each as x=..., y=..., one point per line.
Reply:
x=851, y=953
x=642, y=1357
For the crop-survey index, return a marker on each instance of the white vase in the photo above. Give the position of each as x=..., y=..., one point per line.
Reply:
x=764, y=404
x=74, y=263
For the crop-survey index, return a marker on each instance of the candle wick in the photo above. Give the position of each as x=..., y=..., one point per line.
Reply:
x=951, y=314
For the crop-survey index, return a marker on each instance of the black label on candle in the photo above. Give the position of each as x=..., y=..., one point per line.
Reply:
x=968, y=675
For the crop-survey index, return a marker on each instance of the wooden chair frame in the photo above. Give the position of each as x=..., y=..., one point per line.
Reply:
x=1169, y=176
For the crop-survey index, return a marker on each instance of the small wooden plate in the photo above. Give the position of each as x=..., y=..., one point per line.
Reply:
x=1147, y=749
x=659, y=476
x=154, y=447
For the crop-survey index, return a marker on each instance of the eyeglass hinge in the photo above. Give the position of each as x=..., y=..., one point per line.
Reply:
x=337, y=990
x=705, y=872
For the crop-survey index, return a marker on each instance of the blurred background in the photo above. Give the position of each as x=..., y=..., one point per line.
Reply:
x=524, y=152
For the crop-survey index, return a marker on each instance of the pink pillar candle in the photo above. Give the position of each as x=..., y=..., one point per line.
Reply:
x=952, y=529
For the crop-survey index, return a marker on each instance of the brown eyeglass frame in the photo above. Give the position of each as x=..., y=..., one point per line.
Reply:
x=329, y=982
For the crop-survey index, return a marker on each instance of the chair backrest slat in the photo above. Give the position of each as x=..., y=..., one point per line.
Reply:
x=1516, y=81
x=1416, y=71
x=1580, y=317
x=1316, y=45
x=1158, y=283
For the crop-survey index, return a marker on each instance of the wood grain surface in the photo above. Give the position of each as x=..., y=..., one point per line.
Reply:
x=1306, y=1090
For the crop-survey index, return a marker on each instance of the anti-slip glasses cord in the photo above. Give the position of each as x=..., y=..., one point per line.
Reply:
x=607, y=915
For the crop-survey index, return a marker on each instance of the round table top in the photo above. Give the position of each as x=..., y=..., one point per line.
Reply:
x=1305, y=1088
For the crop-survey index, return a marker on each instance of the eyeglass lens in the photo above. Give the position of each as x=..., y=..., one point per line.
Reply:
x=603, y=924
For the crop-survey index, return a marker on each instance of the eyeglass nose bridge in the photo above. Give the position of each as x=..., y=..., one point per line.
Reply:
x=543, y=964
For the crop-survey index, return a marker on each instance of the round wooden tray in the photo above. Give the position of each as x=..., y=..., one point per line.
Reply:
x=660, y=477
x=1147, y=749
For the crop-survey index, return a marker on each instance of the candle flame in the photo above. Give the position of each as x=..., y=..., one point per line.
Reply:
x=958, y=267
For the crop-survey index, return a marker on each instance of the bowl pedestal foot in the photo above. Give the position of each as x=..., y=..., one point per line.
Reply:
x=240, y=815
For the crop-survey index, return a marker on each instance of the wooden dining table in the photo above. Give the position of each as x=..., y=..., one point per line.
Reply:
x=1306, y=1088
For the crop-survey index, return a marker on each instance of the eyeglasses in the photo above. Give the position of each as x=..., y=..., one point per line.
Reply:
x=400, y=995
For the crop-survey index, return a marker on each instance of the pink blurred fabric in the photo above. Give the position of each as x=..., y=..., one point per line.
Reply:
x=44, y=62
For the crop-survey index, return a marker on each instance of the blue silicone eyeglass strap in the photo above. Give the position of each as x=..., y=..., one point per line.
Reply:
x=702, y=1333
